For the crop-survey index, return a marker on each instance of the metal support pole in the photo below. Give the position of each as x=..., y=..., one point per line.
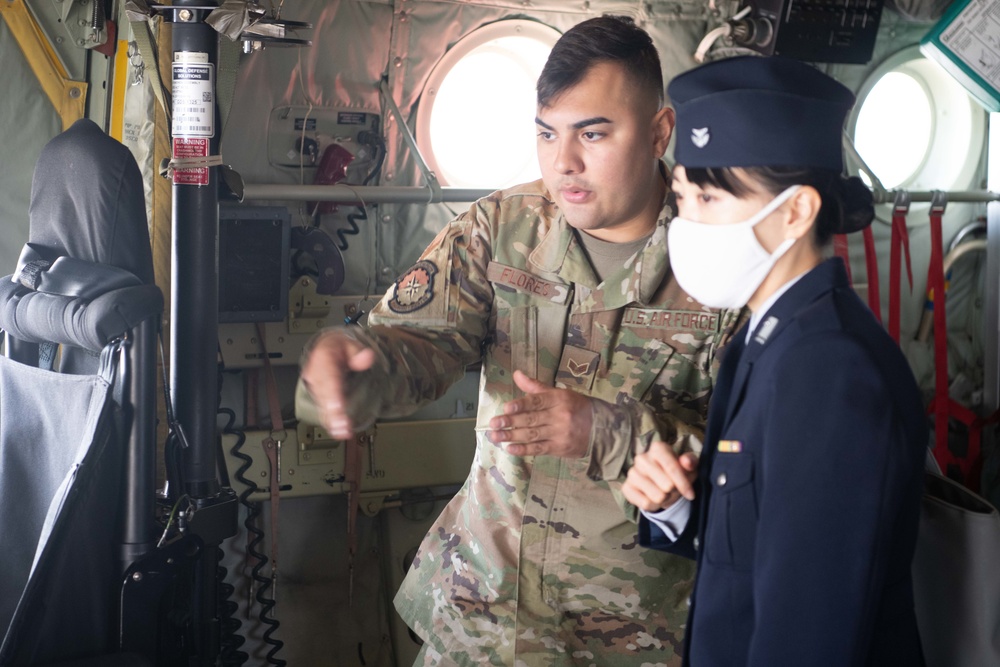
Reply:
x=955, y=196
x=367, y=194
x=138, y=536
x=991, y=312
x=194, y=264
x=194, y=308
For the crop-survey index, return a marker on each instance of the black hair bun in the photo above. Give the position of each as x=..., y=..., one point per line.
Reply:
x=858, y=205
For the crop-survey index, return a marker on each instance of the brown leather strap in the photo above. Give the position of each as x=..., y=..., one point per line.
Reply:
x=251, y=389
x=352, y=474
x=272, y=446
x=274, y=405
x=271, y=450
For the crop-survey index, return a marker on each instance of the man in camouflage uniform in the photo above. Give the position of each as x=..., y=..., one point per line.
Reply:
x=589, y=351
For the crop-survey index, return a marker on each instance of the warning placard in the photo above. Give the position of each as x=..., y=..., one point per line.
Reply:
x=184, y=147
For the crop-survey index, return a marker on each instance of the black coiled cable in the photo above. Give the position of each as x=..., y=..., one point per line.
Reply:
x=263, y=583
x=231, y=640
x=352, y=220
x=371, y=139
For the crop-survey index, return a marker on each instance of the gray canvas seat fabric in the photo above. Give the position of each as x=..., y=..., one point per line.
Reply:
x=64, y=432
x=58, y=543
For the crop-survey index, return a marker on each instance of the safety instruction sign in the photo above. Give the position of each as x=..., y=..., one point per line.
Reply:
x=966, y=43
x=188, y=148
x=194, y=99
x=975, y=38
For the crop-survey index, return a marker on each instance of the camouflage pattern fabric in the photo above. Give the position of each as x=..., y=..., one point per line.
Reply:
x=535, y=562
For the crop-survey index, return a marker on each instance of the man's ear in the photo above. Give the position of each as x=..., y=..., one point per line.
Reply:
x=663, y=127
x=803, y=208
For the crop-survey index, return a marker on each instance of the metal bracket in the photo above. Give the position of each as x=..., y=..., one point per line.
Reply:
x=307, y=308
x=185, y=14
x=939, y=201
x=411, y=142
x=47, y=55
x=262, y=29
x=901, y=202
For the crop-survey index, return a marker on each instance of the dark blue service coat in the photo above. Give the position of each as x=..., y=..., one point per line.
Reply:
x=809, y=491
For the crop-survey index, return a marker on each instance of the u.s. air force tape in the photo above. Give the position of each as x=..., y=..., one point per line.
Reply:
x=681, y=320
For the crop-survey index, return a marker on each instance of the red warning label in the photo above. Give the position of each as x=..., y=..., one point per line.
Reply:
x=187, y=148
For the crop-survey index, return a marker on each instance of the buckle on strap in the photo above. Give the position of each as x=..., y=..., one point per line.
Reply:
x=31, y=273
x=901, y=203
x=939, y=201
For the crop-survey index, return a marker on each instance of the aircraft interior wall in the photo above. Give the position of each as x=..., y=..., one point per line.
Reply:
x=339, y=73
x=334, y=610
x=28, y=121
x=406, y=41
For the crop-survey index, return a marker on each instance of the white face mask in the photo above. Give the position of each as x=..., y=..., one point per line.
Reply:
x=723, y=265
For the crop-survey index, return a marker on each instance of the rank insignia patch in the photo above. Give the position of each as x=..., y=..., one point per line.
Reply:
x=577, y=369
x=414, y=289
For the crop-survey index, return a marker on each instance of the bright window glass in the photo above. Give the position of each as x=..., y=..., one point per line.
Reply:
x=476, y=122
x=894, y=144
x=917, y=128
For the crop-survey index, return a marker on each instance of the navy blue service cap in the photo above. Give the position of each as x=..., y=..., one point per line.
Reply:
x=759, y=111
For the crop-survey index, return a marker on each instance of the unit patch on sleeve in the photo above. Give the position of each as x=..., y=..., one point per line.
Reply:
x=414, y=289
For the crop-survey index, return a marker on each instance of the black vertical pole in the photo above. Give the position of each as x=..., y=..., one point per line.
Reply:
x=138, y=537
x=194, y=309
x=194, y=264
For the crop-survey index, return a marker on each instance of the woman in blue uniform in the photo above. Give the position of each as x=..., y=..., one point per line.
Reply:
x=802, y=510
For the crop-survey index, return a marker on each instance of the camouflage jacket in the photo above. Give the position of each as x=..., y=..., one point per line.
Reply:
x=534, y=562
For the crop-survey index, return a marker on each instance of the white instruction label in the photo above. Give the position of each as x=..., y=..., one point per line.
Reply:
x=194, y=99
x=974, y=36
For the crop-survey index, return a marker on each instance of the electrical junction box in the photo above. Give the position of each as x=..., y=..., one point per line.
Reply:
x=254, y=245
x=966, y=42
x=297, y=136
x=818, y=31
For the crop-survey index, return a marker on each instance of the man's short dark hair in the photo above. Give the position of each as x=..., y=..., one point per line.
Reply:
x=615, y=39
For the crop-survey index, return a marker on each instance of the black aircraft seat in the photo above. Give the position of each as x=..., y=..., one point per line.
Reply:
x=79, y=316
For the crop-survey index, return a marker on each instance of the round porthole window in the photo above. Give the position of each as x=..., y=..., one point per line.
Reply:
x=475, y=145
x=916, y=128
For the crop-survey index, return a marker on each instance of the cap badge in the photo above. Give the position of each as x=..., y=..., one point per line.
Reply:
x=700, y=136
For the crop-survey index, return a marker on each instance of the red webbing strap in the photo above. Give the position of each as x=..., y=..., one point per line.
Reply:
x=943, y=407
x=969, y=465
x=272, y=448
x=940, y=406
x=900, y=242
x=841, y=250
x=871, y=265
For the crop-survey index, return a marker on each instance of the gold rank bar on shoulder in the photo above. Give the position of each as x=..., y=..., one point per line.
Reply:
x=730, y=446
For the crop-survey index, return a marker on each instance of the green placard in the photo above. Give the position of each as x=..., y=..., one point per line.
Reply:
x=966, y=42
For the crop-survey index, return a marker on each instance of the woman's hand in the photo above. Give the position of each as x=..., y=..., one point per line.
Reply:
x=658, y=478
